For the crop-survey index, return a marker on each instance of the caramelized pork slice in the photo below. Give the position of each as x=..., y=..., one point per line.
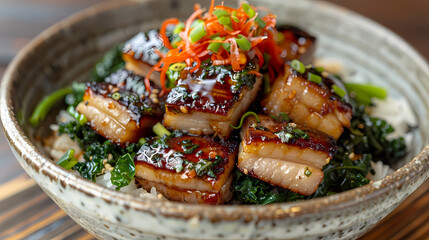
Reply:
x=296, y=44
x=208, y=101
x=315, y=105
x=188, y=168
x=120, y=108
x=285, y=154
x=139, y=54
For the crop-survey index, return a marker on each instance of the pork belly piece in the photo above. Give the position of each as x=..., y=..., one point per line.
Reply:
x=189, y=168
x=120, y=108
x=140, y=56
x=285, y=154
x=315, y=105
x=296, y=44
x=208, y=101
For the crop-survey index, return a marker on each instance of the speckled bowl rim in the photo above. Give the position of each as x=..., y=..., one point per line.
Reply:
x=42, y=163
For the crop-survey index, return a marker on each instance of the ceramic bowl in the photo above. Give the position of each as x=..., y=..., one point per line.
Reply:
x=65, y=53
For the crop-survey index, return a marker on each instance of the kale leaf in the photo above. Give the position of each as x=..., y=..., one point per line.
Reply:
x=110, y=63
x=250, y=190
x=96, y=148
x=124, y=171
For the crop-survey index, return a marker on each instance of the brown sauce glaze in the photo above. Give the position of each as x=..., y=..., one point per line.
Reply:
x=174, y=156
x=265, y=132
x=210, y=89
x=132, y=94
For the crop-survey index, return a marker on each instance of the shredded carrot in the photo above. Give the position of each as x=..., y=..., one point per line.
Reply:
x=163, y=30
x=194, y=53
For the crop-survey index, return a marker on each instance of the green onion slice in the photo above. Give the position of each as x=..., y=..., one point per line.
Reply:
x=177, y=66
x=80, y=118
x=243, y=43
x=337, y=90
x=197, y=33
x=160, y=130
x=248, y=10
x=220, y=13
x=307, y=172
x=226, y=46
x=214, y=46
x=262, y=24
x=116, y=96
x=298, y=66
x=178, y=28
x=68, y=160
x=46, y=104
x=314, y=78
x=244, y=117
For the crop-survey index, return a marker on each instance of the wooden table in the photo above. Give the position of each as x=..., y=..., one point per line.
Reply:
x=26, y=212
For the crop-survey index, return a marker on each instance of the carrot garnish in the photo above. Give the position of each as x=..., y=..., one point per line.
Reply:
x=222, y=35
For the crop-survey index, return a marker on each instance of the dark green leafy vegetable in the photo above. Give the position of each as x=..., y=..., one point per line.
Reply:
x=97, y=149
x=124, y=171
x=254, y=191
x=110, y=63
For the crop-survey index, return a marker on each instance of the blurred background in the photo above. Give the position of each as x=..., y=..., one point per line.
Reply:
x=27, y=213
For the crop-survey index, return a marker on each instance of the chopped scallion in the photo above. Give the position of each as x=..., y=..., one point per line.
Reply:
x=307, y=172
x=319, y=69
x=160, y=130
x=267, y=83
x=177, y=66
x=197, y=33
x=248, y=10
x=314, y=78
x=262, y=24
x=243, y=43
x=298, y=66
x=226, y=22
x=142, y=141
x=68, y=160
x=226, y=46
x=214, y=46
x=220, y=13
x=175, y=40
x=337, y=90
x=178, y=28
x=116, y=96
x=80, y=118
x=244, y=117
x=235, y=19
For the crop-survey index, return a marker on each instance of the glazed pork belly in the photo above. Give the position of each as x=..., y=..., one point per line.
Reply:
x=315, y=105
x=120, y=108
x=208, y=101
x=296, y=44
x=285, y=154
x=187, y=168
x=139, y=54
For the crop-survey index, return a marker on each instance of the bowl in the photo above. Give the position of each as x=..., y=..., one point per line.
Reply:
x=65, y=52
